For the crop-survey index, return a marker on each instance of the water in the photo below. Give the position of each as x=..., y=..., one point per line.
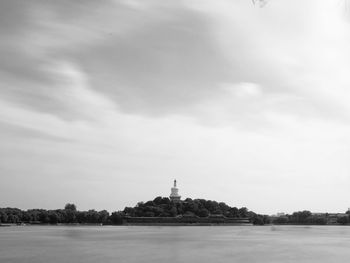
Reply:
x=51, y=244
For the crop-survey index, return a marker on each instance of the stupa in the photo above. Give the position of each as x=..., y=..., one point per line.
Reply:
x=174, y=196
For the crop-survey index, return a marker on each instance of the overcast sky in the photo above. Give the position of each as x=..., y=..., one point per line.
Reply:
x=105, y=103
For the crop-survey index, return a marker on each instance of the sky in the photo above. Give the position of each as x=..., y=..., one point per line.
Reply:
x=104, y=103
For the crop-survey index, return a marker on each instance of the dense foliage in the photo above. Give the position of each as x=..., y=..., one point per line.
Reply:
x=159, y=207
x=69, y=215
x=306, y=217
x=163, y=207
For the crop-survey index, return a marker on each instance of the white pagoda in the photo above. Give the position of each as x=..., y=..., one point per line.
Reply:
x=174, y=196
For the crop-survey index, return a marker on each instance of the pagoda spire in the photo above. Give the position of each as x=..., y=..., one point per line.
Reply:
x=174, y=196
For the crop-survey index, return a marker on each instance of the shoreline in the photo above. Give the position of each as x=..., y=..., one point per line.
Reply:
x=169, y=224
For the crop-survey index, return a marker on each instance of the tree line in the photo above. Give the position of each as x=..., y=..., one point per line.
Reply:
x=68, y=215
x=306, y=217
x=164, y=207
x=158, y=207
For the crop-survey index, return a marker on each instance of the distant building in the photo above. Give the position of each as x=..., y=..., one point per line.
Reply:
x=174, y=196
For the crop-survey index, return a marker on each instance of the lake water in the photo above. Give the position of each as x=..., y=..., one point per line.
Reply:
x=163, y=244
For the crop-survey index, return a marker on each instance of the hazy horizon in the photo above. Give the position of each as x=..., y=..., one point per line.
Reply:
x=104, y=103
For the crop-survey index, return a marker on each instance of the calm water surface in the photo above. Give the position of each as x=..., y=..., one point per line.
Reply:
x=35, y=244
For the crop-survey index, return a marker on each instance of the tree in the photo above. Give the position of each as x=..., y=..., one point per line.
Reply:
x=301, y=217
x=158, y=200
x=25, y=216
x=243, y=212
x=117, y=218
x=3, y=217
x=71, y=207
x=343, y=220
x=103, y=217
x=258, y=220
x=224, y=208
x=44, y=217
x=33, y=215
x=281, y=220
x=165, y=201
x=173, y=211
x=130, y=211
x=71, y=216
x=233, y=212
x=203, y=212
x=149, y=203
x=92, y=216
x=267, y=219
x=82, y=217
x=53, y=217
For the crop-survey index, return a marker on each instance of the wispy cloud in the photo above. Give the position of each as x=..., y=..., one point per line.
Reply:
x=110, y=96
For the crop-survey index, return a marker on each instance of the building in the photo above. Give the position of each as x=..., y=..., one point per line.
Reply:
x=174, y=196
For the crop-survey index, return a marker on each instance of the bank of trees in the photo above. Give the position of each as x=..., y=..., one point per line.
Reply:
x=68, y=215
x=307, y=218
x=158, y=207
x=301, y=217
x=164, y=207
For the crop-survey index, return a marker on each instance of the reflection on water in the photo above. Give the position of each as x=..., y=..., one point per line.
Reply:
x=35, y=244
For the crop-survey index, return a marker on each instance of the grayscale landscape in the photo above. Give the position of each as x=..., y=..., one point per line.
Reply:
x=174, y=131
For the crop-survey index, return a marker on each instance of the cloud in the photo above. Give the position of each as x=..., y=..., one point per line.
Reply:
x=227, y=98
x=246, y=90
x=149, y=59
x=291, y=50
x=169, y=58
x=159, y=68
